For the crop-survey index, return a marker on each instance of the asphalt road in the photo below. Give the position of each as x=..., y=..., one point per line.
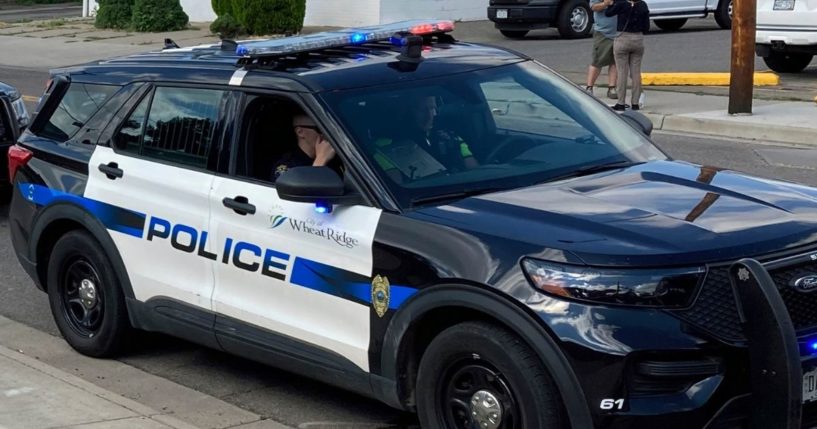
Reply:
x=15, y=13
x=298, y=401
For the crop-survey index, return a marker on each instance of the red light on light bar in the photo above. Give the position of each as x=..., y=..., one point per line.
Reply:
x=437, y=27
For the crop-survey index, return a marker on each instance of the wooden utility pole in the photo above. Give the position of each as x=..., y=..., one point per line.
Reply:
x=743, y=56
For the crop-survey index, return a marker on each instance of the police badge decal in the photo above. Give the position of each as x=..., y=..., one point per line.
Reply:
x=380, y=295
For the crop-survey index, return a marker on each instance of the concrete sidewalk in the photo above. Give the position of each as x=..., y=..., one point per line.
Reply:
x=37, y=391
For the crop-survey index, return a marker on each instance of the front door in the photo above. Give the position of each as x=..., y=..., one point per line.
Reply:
x=286, y=268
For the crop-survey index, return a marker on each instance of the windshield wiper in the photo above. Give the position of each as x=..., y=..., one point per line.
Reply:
x=595, y=168
x=453, y=196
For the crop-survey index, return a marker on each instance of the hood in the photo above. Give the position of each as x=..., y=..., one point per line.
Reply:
x=658, y=213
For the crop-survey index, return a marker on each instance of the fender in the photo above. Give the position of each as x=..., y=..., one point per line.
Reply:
x=504, y=311
x=67, y=211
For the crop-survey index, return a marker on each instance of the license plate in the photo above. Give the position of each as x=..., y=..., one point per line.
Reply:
x=810, y=386
x=502, y=13
x=783, y=5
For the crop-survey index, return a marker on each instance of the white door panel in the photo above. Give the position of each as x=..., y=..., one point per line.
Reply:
x=164, y=193
x=291, y=274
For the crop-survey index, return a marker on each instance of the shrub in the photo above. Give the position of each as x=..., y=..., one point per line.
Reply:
x=159, y=15
x=223, y=7
x=226, y=26
x=114, y=14
x=270, y=16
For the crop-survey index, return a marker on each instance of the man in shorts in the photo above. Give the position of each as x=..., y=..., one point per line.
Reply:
x=604, y=31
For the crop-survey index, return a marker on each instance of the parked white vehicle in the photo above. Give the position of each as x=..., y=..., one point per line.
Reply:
x=786, y=33
x=573, y=19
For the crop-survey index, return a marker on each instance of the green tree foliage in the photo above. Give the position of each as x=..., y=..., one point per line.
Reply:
x=159, y=15
x=270, y=16
x=226, y=26
x=223, y=7
x=114, y=14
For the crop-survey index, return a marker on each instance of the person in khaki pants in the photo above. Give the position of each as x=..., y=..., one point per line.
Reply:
x=628, y=48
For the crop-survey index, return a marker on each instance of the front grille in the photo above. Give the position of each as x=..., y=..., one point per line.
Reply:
x=715, y=310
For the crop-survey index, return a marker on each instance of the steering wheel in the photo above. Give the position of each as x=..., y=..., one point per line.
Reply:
x=508, y=148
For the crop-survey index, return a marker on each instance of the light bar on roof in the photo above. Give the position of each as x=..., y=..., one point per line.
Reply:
x=340, y=38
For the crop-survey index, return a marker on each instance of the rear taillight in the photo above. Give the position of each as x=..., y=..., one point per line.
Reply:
x=18, y=157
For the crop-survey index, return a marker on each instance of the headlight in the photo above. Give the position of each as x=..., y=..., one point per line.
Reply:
x=20, y=111
x=783, y=5
x=673, y=287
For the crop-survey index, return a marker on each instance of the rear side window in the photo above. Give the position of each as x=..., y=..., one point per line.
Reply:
x=79, y=103
x=176, y=125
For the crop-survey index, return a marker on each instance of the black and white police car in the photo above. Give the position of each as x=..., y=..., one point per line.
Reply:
x=497, y=249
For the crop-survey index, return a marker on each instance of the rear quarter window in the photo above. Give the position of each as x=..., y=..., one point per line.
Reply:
x=78, y=104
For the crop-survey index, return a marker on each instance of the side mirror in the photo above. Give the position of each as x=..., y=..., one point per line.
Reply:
x=320, y=185
x=10, y=129
x=638, y=121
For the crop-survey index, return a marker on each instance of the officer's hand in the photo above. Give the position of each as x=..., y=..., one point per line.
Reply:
x=323, y=152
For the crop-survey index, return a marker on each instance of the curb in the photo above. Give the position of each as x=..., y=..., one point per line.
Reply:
x=729, y=129
x=703, y=79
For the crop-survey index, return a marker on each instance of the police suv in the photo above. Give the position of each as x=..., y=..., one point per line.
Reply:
x=496, y=249
x=13, y=119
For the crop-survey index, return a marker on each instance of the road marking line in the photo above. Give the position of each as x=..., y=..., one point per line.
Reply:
x=30, y=98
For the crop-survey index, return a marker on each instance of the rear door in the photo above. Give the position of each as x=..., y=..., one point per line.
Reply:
x=8, y=125
x=159, y=163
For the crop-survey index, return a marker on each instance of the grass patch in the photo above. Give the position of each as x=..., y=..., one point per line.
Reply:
x=52, y=24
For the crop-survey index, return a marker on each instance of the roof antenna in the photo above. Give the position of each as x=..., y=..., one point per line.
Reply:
x=170, y=44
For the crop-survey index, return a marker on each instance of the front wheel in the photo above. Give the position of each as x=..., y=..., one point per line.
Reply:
x=514, y=34
x=86, y=301
x=575, y=20
x=723, y=14
x=787, y=63
x=478, y=375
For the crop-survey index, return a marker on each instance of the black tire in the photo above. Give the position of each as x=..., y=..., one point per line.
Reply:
x=670, y=24
x=514, y=34
x=787, y=63
x=723, y=14
x=575, y=19
x=477, y=357
x=85, y=296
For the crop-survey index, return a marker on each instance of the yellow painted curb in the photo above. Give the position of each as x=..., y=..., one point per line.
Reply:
x=704, y=79
x=30, y=98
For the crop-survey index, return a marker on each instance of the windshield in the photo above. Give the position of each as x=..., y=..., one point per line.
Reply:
x=476, y=132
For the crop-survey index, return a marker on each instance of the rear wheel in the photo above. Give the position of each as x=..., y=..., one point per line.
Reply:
x=514, y=34
x=670, y=24
x=723, y=14
x=787, y=63
x=85, y=297
x=478, y=375
x=575, y=20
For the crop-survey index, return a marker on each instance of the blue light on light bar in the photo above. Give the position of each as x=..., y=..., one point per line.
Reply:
x=241, y=50
x=357, y=38
x=813, y=345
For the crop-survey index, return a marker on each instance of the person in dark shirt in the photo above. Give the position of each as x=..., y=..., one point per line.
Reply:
x=312, y=149
x=628, y=48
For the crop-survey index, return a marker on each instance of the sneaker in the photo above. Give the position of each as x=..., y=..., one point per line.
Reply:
x=635, y=107
x=619, y=107
x=611, y=93
x=589, y=89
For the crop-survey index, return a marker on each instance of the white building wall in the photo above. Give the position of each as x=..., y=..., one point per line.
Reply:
x=342, y=13
x=464, y=10
x=351, y=13
x=199, y=10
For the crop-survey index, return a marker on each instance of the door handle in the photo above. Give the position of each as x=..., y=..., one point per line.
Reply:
x=111, y=170
x=239, y=204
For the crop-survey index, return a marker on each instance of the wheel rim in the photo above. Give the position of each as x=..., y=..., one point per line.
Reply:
x=82, y=297
x=579, y=19
x=729, y=9
x=474, y=395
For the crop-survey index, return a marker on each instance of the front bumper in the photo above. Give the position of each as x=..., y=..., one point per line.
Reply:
x=712, y=365
x=523, y=18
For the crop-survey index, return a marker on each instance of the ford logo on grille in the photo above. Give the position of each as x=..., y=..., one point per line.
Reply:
x=805, y=284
